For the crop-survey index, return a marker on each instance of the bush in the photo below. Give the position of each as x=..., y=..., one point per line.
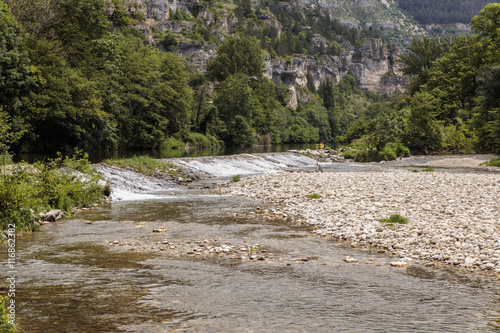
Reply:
x=60, y=183
x=314, y=196
x=172, y=142
x=361, y=152
x=5, y=325
x=236, y=178
x=199, y=140
x=493, y=162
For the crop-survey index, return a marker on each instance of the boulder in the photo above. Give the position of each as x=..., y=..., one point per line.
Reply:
x=52, y=215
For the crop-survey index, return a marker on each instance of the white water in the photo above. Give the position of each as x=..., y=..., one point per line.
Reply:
x=244, y=164
x=129, y=185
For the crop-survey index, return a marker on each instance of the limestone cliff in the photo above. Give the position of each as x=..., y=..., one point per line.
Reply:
x=373, y=64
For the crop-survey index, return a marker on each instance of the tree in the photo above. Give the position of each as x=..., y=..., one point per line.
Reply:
x=236, y=56
x=487, y=24
x=234, y=97
x=487, y=119
x=422, y=128
x=7, y=137
x=15, y=72
x=422, y=53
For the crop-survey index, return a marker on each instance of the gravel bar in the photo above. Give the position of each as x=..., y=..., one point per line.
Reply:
x=452, y=217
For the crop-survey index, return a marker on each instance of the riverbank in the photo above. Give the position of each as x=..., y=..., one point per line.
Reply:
x=454, y=217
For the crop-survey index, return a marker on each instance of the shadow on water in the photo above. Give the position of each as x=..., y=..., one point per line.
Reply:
x=99, y=156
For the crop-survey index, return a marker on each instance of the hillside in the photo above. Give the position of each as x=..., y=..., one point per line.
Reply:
x=141, y=74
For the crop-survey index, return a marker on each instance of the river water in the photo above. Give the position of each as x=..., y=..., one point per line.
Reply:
x=73, y=279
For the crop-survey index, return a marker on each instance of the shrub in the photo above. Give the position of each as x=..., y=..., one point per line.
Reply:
x=428, y=170
x=199, y=140
x=60, y=183
x=236, y=178
x=396, y=218
x=314, y=196
x=493, y=162
x=172, y=142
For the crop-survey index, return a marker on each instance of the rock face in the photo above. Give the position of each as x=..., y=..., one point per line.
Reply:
x=373, y=64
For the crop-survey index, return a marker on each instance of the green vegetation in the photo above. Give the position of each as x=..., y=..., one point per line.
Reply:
x=423, y=170
x=493, y=162
x=236, y=178
x=145, y=165
x=453, y=106
x=395, y=219
x=61, y=183
x=67, y=81
x=5, y=325
x=314, y=196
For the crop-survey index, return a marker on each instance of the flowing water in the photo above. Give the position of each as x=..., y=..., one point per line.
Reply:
x=72, y=279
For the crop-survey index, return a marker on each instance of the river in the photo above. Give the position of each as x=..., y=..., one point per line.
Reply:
x=105, y=270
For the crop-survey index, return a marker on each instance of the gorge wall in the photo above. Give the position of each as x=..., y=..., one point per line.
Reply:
x=373, y=64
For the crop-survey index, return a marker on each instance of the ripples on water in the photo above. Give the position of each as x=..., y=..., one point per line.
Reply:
x=71, y=281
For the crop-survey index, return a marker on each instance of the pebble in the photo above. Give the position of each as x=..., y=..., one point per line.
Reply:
x=350, y=260
x=453, y=216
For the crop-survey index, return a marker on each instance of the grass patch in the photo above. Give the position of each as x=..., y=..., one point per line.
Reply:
x=428, y=170
x=145, y=165
x=396, y=218
x=314, y=196
x=493, y=162
x=236, y=178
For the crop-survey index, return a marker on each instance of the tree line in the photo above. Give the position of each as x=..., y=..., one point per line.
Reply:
x=454, y=103
x=70, y=76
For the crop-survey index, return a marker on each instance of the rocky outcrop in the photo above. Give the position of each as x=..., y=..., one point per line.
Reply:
x=373, y=65
x=197, y=54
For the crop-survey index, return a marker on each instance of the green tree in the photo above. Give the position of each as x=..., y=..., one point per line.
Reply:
x=422, y=53
x=487, y=119
x=423, y=131
x=236, y=56
x=15, y=71
x=317, y=116
x=234, y=97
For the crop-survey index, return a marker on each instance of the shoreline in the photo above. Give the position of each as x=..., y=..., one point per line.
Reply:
x=454, y=218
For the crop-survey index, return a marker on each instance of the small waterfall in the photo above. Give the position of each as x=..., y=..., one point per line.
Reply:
x=243, y=165
x=130, y=185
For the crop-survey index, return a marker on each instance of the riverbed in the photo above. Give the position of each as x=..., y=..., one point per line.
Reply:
x=169, y=258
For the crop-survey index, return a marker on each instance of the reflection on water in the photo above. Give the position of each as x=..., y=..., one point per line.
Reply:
x=70, y=281
x=98, y=156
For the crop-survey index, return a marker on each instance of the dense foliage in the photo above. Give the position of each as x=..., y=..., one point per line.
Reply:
x=73, y=77
x=70, y=76
x=454, y=105
x=61, y=183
